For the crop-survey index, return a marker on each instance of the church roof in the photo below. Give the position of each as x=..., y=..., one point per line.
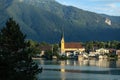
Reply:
x=73, y=45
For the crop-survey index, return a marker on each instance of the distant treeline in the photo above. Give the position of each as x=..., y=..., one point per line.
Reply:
x=101, y=44
x=92, y=45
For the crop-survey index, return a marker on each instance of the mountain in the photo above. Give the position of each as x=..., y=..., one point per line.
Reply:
x=43, y=20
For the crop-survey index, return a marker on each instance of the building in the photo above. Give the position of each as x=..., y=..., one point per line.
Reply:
x=71, y=47
x=45, y=48
x=118, y=53
x=92, y=54
x=102, y=51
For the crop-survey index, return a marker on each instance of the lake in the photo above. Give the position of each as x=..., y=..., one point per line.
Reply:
x=79, y=70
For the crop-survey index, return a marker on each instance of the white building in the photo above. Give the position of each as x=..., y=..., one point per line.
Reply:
x=102, y=51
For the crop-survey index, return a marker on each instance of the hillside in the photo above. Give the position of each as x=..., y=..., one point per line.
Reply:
x=43, y=20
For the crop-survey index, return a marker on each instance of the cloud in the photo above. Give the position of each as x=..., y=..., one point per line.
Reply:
x=105, y=0
x=110, y=7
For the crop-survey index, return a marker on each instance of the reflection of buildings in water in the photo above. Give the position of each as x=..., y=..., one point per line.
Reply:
x=112, y=64
x=80, y=62
x=75, y=63
x=86, y=62
x=83, y=62
x=68, y=62
x=102, y=63
x=62, y=63
x=42, y=62
x=118, y=63
x=63, y=74
x=99, y=63
x=92, y=62
x=62, y=66
x=62, y=70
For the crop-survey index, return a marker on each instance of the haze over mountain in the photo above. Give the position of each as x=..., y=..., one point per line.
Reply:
x=43, y=20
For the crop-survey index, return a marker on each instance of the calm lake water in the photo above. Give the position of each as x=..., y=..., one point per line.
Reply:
x=79, y=70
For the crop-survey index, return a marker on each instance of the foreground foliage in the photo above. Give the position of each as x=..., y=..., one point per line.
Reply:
x=15, y=54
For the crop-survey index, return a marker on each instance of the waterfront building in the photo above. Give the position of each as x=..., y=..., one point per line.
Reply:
x=92, y=54
x=102, y=51
x=118, y=53
x=68, y=48
x=103, y=56
x=45, y=48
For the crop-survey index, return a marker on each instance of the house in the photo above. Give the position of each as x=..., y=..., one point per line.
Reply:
x=44, y=48
x=103, y=56
x=118, y=53
x=92, y=54
x=71, y=47
x=102, y=51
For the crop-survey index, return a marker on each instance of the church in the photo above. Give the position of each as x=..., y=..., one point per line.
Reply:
x=71, y=47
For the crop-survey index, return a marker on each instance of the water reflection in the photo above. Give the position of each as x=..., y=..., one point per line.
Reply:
x=102, y=69
x=118, y=63
x=98, y=63
x=63, y=77
x=63, y=63
x=102, y=63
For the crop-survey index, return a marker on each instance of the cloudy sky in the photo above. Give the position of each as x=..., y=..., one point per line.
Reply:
x=110, y=7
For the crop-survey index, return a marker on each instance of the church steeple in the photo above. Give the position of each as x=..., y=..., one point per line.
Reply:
x=62, y=43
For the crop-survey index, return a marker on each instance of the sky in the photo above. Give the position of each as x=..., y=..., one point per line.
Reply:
x=109, y=7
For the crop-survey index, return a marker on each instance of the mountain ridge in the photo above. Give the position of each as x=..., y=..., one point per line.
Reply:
x=44, y=21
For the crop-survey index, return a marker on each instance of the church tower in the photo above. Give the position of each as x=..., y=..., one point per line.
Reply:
x=62, y=44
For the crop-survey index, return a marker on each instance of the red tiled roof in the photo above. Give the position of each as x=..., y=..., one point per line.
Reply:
x=73, y=45
x=44, y=48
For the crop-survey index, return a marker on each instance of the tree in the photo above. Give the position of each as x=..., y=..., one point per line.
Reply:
x=89, y=46
x=118, y=45
x=34, y=47
x=15, y=58
x=48, y=54
x=56, y=50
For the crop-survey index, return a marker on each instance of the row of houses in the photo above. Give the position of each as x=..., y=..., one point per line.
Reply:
x=75, y=48
x=71, y=49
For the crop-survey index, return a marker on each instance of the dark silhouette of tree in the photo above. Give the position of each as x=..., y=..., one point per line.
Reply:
x=15, y=54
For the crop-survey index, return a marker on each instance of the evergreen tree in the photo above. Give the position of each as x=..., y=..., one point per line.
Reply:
x=15, y=58
x=56, y=50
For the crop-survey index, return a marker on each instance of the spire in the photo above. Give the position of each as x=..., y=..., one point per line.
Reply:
x=62, y=33
x=62, y=42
